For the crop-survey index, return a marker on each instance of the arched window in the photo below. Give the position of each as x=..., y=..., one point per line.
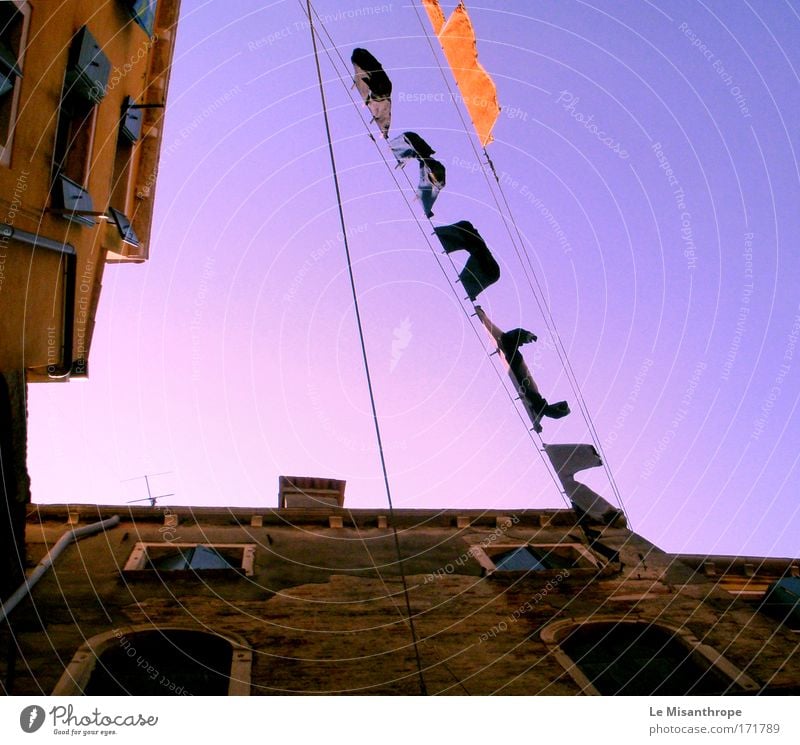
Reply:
x=614, y=658
x=158, y=662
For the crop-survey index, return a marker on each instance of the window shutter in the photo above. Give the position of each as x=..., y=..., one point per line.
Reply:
x=124, y=226
x=131, y=121
x=74, y=201
x=88, y=67
x=144, y=13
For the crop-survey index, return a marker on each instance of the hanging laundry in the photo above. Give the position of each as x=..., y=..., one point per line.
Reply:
x=511, y=341
x=435, y=14
x=567, y=460
x=478, y=91
x=431, y=182
x=481, y=269
x=409, y=146
x=508, y=345
x=375, y=88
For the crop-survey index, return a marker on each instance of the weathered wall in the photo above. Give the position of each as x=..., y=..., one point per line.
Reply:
x=324, y=611
x=15, y=485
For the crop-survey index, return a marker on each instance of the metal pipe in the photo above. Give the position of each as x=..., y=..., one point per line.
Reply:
x=69, y=537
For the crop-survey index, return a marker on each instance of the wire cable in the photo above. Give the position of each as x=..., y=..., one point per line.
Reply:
x=335, y=173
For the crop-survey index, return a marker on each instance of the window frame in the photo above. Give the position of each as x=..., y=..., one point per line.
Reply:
x=121, y=212
x=23, y=7
x=584, y=554
x=77, y=674
x=75, y=135
x=137, y=563
x=76, y=128
x=555, y=632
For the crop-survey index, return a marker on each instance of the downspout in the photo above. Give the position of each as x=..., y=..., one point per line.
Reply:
x=69, y=537
x=70, y=272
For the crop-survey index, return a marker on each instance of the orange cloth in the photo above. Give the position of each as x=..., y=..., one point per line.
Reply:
x=435, y=13
x=478, y=90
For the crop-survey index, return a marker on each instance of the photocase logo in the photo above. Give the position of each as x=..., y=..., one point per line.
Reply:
x=402, y=338
x=31, y=718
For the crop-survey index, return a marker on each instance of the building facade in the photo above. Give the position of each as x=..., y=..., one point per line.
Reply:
x=83, y=87
x=309, y=599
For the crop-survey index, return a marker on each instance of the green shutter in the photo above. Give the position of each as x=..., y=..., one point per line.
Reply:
x=124, y=226
x=87, y=74
x=144, y=13
x=131, y=127
x=73, y=200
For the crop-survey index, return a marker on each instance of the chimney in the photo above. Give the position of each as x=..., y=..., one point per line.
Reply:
x=309, y=492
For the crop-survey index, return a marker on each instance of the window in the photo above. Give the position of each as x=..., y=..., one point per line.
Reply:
x=634, y=659
x=618, y=658
x=518, y=559
x=14, y=18
x=147, y=661
x=782, y=602
x=537, y=557
x=11, y=21
x=74, y=140
x=173, y=663
x=84, y=87
x=191, y=559
x=122, y=178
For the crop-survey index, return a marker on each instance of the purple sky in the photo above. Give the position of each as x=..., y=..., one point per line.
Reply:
x=232, y=356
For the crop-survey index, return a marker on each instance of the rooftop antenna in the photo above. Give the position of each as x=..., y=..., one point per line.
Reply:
x=149, y=498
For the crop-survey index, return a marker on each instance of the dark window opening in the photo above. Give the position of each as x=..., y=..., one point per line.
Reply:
x=73, y=154
x=168, y=663
x=74, y=138
x=12, y=31
x=120, y=184
x=628, y=659
x=10, y=41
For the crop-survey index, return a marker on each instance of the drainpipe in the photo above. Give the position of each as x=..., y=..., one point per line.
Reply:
x=69, y=537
